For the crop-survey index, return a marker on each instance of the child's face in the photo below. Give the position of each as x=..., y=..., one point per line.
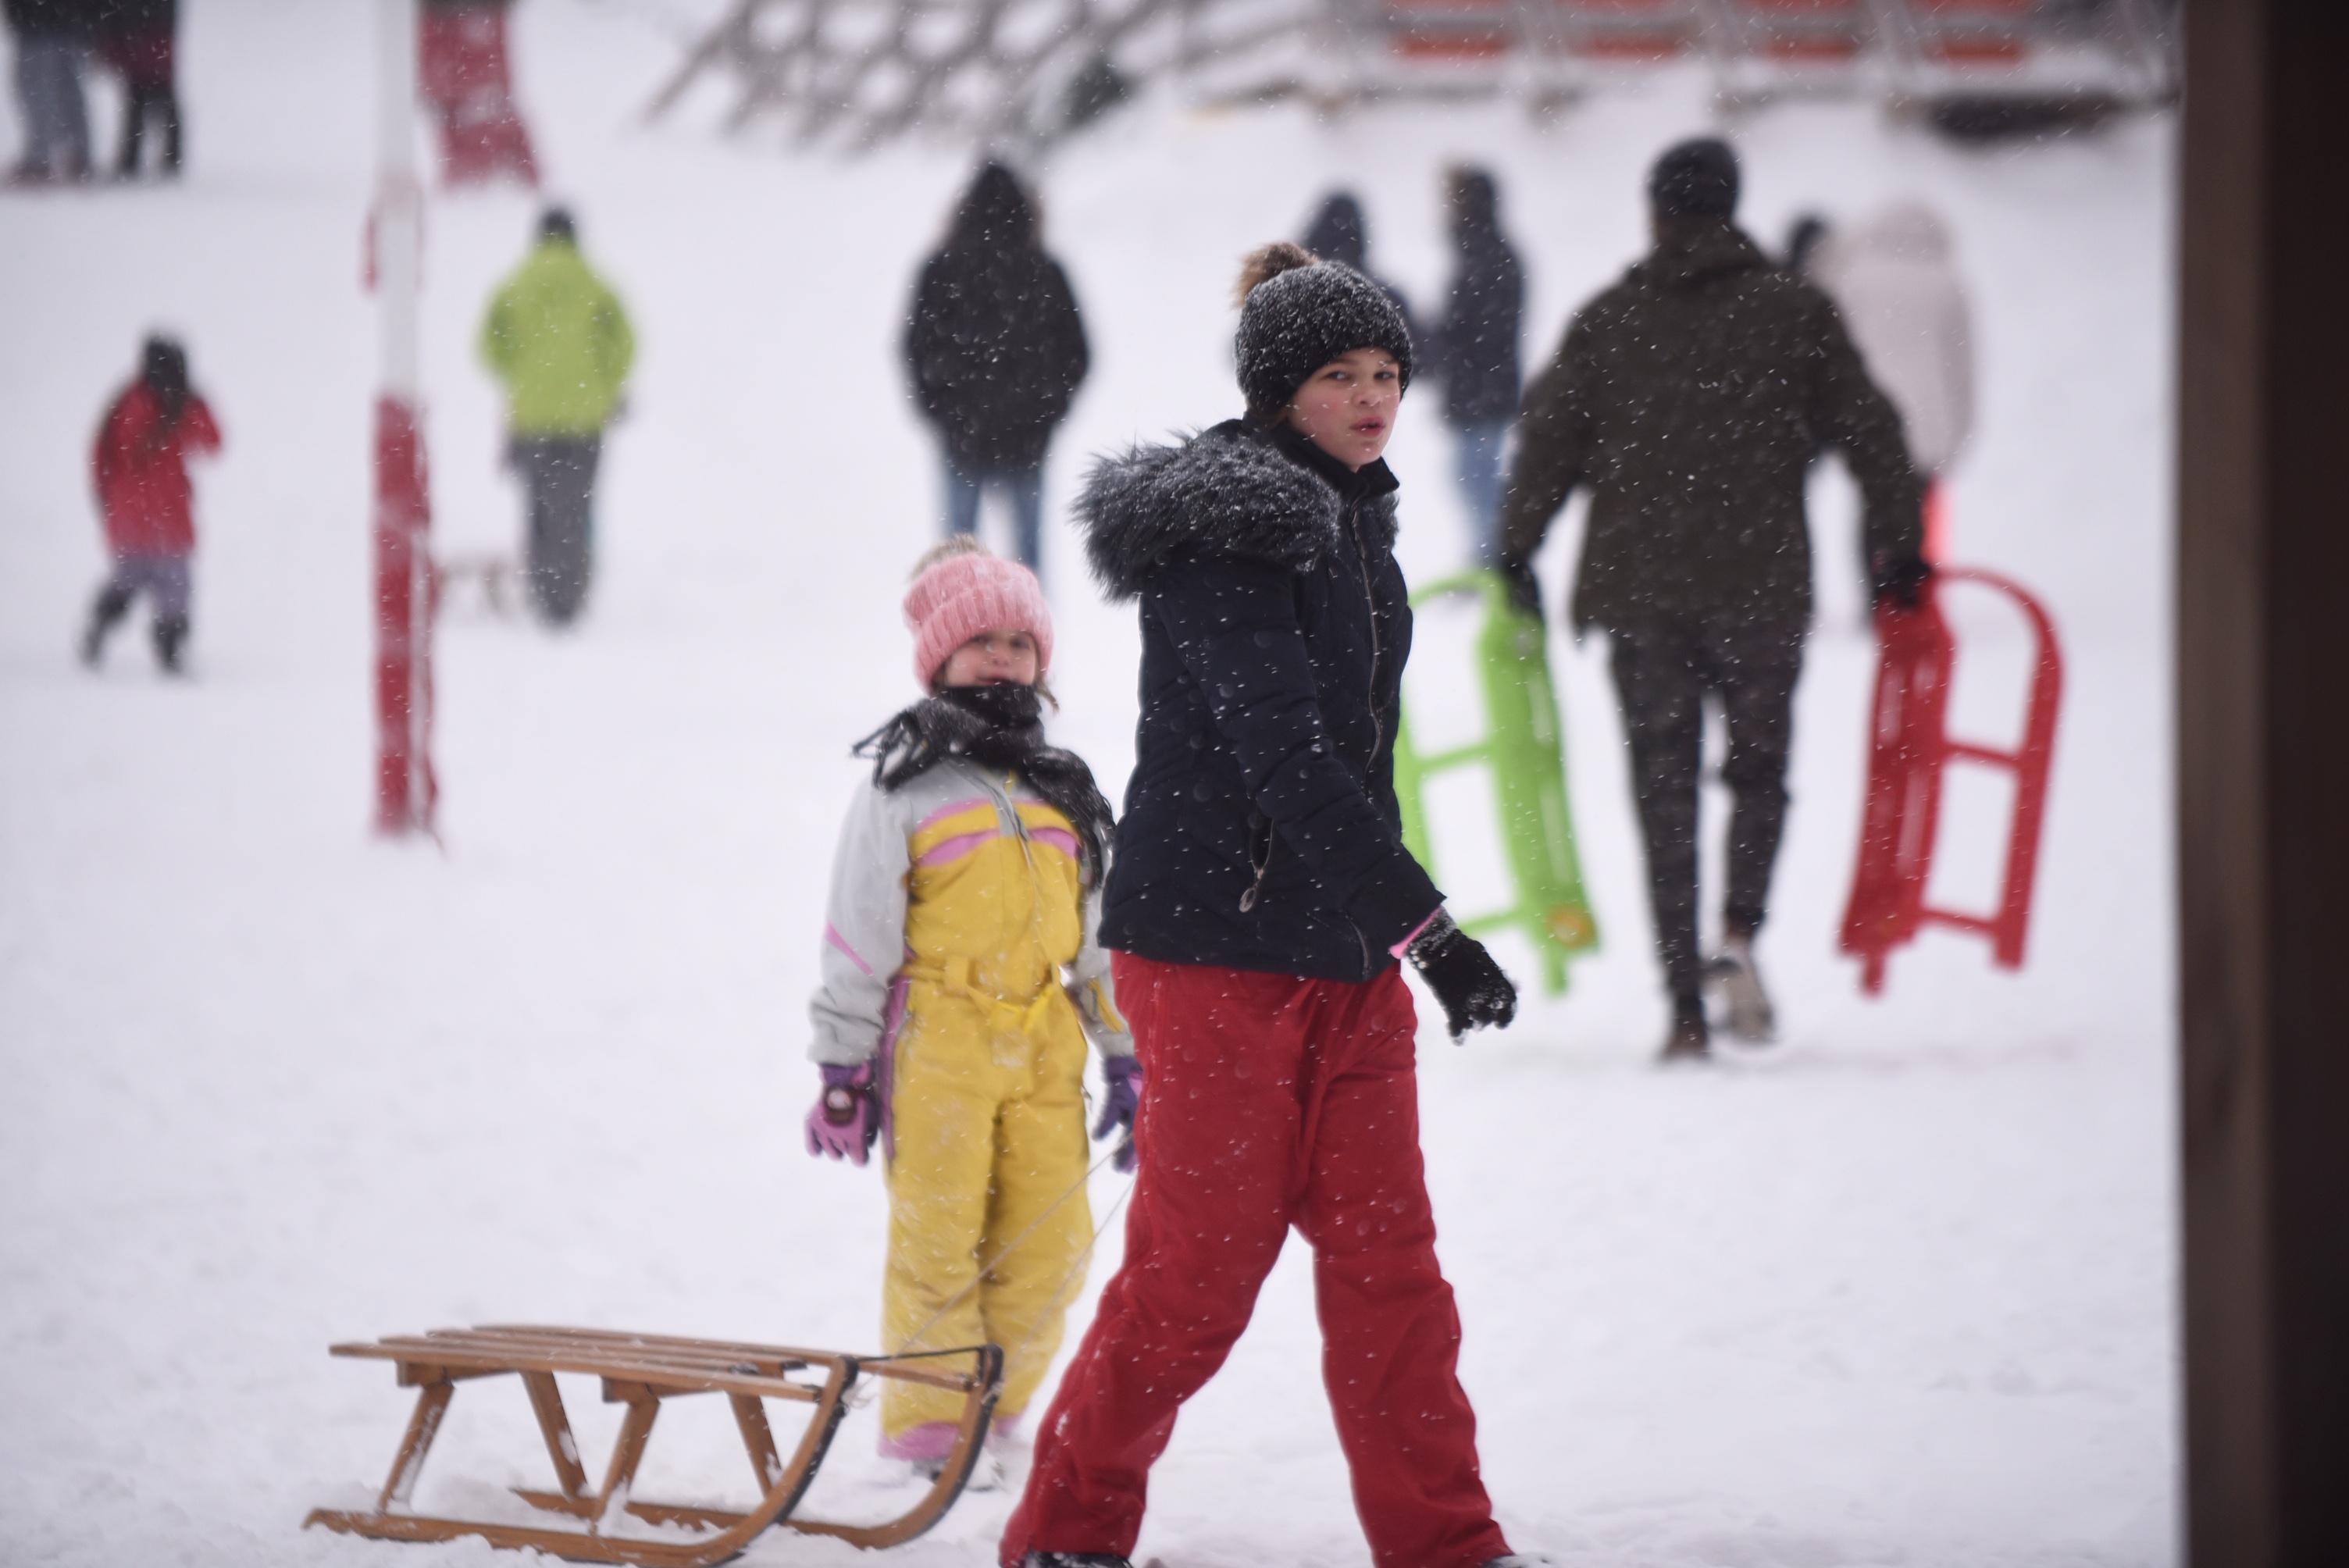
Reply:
x=992, y=658
x=1348, y=407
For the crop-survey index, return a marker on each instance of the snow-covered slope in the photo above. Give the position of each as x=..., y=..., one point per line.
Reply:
x=1899, y=1293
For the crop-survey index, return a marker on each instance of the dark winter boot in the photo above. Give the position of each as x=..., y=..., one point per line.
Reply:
x=170, y=636
x=111, y=605
x=1075, y=1560
x=1690, y=1040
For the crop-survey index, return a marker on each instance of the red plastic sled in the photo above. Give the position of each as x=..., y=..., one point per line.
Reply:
x=1909, y=747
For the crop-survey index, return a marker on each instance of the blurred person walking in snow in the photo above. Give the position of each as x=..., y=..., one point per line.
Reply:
x=1897, y=284
x=994, y=349
x=1691, y=396
x=137, y=38
x=1259, y=901
x=961, y=975
x=1340, y=233
x=52, y=40
x=140, y=465
x=555, y=336
x=1474, y=349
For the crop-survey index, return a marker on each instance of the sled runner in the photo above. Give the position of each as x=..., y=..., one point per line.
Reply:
x=1909, y=747
x=641, y=1370
x=1524, y=752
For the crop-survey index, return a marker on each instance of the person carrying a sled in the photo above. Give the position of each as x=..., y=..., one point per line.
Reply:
x=139, y=467
x=1691, y=396
x=960, y=979
x=1257, y=904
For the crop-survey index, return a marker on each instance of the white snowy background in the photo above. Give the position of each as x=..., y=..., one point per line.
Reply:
x=1899, y=1291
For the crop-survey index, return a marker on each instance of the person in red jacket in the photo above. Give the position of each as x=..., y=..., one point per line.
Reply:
x=141, y=467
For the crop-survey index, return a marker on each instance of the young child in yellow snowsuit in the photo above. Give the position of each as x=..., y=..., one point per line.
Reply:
x=961, y=978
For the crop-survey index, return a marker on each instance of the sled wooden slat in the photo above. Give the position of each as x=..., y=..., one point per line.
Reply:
x=904, y=1368
x=443, y=1361
x=746, y=1360
x=476, y=1347
x=641, y=1372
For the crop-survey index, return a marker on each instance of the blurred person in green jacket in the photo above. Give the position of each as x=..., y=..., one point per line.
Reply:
x=556, y=337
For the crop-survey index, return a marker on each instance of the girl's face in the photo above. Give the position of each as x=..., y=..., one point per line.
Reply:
x=992, y=658
x=1348, y=407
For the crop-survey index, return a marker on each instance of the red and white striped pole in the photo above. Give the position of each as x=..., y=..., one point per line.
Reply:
x=405, y=789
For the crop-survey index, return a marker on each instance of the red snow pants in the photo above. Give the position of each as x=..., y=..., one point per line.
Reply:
x=1270, y=1101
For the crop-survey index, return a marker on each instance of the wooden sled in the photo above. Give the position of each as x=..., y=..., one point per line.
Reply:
x=641, y=1370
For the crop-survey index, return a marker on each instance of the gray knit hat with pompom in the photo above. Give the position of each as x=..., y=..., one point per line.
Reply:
x=1297, y=312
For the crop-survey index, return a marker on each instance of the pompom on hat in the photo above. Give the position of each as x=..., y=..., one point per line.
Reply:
x=1297, y=312
x=960, y=591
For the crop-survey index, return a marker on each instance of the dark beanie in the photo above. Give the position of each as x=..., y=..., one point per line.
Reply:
x=1298, y=312
x=1695, y=178
x=557, y=223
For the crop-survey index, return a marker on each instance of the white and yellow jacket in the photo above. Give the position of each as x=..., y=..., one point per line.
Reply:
x=964, y=883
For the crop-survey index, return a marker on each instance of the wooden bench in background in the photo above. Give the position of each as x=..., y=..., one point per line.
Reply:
x=641, y=1371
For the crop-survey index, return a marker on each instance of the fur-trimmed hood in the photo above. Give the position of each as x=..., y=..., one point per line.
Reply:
x=1233, y=490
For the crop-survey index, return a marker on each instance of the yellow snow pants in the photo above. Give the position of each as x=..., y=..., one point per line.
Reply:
x=987, y=1099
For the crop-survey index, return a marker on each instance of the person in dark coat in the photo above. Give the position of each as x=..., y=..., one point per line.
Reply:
x=139, y=465
x=52, y=39
x=1339, y=233
x=1691, y=396
x=137, y=38
x=996, y=351
x=1259, y=896
x=1475, y=349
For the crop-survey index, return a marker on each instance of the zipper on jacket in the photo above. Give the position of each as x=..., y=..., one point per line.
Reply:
x=1370, y=602
x=1378, y=725
x=1262, y=868
x=1007, y=813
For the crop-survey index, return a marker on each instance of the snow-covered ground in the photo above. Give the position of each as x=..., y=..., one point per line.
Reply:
x=1900, y=1293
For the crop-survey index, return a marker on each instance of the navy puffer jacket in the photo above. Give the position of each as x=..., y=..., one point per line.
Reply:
x=1260, y=829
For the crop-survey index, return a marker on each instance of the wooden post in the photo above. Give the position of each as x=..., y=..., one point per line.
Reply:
x=2263, y=821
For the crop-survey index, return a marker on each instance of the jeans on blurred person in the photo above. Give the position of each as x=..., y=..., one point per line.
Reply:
x=559, y=473
x=48, y=90
x=168, y=584
x=1477, y=465
x=1023, y=488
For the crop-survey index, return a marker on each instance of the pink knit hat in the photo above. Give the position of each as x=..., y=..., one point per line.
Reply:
x=964, y=591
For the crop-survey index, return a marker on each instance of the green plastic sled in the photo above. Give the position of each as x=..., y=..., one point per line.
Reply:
x=1525, y=753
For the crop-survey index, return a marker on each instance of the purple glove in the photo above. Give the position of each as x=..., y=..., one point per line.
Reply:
x=1121, y=1076
x=846, y=1119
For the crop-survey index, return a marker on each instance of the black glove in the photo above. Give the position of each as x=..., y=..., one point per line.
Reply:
x=1899, y=580
x=1463, y=976
x=1524, y=589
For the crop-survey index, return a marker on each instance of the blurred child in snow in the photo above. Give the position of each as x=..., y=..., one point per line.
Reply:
x=141, y=467
x=961, y=975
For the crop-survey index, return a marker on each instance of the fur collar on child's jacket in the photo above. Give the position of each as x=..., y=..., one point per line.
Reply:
x=1234, y=491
